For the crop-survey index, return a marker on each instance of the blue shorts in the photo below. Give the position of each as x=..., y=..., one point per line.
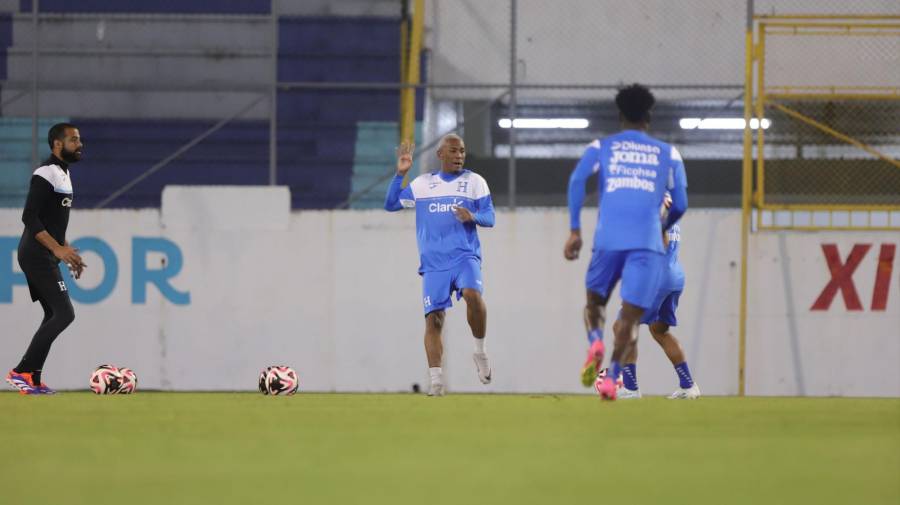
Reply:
x=640, y=270
x=663, y=309
x=437, y=287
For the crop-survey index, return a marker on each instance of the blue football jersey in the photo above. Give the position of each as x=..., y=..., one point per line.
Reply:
x=635, y=172
x=443, y=240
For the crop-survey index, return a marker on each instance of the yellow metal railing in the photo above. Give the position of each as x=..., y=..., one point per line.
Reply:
x=825, y=17
x=784, y=98
x=834, y=133
x=410, y=49
x=798, y=102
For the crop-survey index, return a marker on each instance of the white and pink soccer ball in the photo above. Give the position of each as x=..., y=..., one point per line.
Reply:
x=602, y=375
x=111, y=380
x=278, y=380
x=129, y=381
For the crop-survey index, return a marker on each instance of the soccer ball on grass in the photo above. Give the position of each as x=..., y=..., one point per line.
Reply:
x=106, y=380
x=128, y=381
x=111, y=380
x=278, y=380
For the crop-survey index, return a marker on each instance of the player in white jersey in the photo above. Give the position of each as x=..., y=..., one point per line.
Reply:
x=450, y=204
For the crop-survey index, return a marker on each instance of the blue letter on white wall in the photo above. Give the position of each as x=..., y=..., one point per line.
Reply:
x=141, y=275
x=9, y=278
x=110, y=271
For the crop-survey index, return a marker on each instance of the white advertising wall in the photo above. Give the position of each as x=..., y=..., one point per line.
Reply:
x=824, y=314
x=198, y=300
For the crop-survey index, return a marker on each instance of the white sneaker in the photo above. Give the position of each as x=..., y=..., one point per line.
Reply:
x=623, y=393
x=482, y=367
x=691, y=393
x=437, y=389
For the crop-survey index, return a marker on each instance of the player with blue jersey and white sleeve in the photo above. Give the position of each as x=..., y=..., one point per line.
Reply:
x=660, y=318
x=449, y=204
x=635, y=171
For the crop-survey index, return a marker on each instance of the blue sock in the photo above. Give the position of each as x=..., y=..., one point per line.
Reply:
x=594, y=335
x=684, y=375
x=629, y=377
x=614, y=370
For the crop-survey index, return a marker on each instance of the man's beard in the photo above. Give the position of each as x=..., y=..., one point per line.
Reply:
x=70, y=156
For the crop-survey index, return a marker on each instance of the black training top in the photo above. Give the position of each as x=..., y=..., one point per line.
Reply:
x=46, y=208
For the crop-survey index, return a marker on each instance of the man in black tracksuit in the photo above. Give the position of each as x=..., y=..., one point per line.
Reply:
x=43, y=246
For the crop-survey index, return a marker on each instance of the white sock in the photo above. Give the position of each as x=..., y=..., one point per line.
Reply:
x=479, y=345
x=436, y=375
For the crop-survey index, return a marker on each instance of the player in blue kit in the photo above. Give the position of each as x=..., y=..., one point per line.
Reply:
x=635, y=172
x=450, y=204
x=659, y=318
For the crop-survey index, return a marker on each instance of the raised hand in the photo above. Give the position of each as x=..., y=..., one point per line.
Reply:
x=573, y=246
x=404, y=157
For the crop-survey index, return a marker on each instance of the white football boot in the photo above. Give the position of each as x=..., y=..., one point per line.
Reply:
x=437, y=389
x=691, y=393
x=624, y=393
x=482, y=367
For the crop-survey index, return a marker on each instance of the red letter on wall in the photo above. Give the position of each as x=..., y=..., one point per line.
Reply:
x=841, y=277
x=883, y=277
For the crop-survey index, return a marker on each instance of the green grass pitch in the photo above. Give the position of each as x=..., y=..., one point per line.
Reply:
x=241, y=448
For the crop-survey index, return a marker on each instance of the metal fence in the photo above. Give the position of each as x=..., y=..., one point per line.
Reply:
x=526, y=82
x=831, y=142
